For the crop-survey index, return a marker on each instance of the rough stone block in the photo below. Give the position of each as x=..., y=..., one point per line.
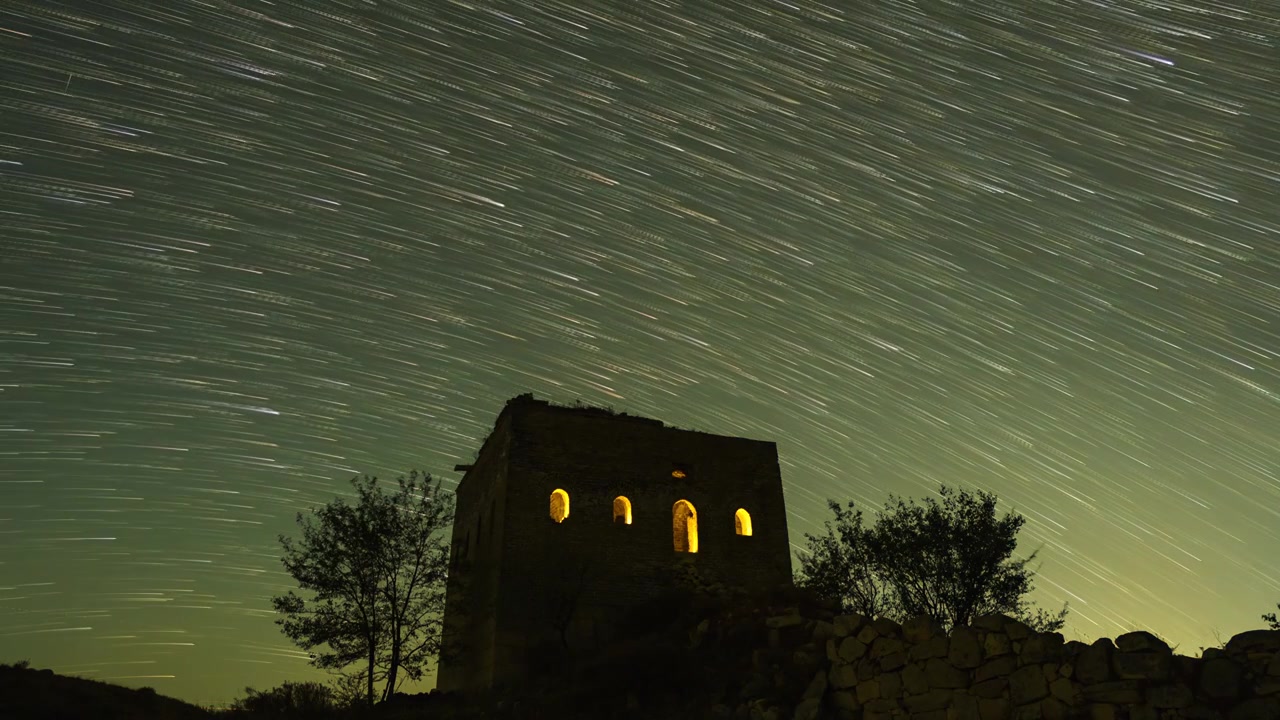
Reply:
x=846, y=625
x=851, y=649
x=1027, y=685
x=963, y=707
x=920, y=628
x=1186, y=669
x=965, y=651
x=822, y=631
x=867, y=669
x=996, y=644
x=833, y=650
x=1254, y=641
x=932, y=700
x=930, y=715
x=893, y=661
x=1017, y=630
x=1103, y=711
x=990, y=623
x=843, y=676
x=868, y=690
x=1256, y=709
x=1028, y=712
x=1064, y=691
x=887, y=627
x=1094, y=663
x=845, y=700
x=890, y=685
x=1220, y=678
x=885, y=646
x=1071, y=652
x=1154, y=665
x=1273, y=667
x=993, y=709
x=1140, y=641
x=914, y=681
x=1052, y=708
x=993, y=688
x=1170, y=696
x=1050, y=671
x=1119, y=692
x=1041, y=648
x=884, y=705
x=937, y=646
x=999, y=667
x=867, y=634
x=942, y=675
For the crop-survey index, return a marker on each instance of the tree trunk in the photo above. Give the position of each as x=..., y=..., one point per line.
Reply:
x=395, y=662
x=373, y=648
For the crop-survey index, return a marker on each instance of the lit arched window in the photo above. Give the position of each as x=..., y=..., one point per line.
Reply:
x=742, y=522
x=621, y=510
x=559, y=505
x=684, y=526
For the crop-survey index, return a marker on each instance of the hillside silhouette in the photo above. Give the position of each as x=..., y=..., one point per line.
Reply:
x=30, y=694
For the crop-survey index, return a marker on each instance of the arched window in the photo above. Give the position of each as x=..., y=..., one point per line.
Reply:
x=621, y=511
x=559, y=505
x=684, y=526
x=742, y=522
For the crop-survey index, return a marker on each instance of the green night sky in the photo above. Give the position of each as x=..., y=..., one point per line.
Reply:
x=250, y=249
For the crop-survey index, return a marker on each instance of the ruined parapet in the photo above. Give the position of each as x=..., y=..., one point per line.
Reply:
x=999, y=669
x=570, y=517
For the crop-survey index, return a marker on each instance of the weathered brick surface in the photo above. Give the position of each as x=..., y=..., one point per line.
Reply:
x=517, y=566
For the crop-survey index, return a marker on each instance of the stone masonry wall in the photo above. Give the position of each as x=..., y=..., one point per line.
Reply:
x=606, y=567
x=853, y=668
x=522, y=584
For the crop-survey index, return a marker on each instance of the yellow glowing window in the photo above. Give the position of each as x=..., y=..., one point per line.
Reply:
x=684, y=526
x=559, y=505
x=678, y=474
x=621, y=510
x=742, y=522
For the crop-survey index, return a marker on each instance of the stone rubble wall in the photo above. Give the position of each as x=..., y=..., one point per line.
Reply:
x=852, y=668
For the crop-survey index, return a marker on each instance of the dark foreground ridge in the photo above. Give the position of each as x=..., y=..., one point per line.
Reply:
x=789, y=658
x=30, y=694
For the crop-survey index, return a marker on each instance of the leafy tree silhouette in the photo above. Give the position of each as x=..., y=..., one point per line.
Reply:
x=375, y=573
x=949, y=559
x=1272, y=620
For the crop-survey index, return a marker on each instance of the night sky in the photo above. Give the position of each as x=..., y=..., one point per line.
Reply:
x=250, y=249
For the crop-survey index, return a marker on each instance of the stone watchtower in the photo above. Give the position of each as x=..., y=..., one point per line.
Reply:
x=571, y=516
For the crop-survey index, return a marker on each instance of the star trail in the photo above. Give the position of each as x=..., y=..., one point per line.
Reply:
x=250, y=249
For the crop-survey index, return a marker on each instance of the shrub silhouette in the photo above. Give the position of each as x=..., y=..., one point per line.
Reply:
x=287, y=701
x=950, y=559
